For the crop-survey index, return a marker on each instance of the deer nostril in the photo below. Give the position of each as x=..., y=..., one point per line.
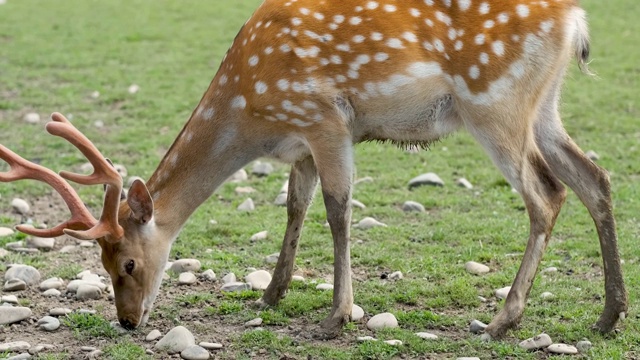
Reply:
x=127, y=324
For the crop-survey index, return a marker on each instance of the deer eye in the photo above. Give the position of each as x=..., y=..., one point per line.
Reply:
x=130, y=266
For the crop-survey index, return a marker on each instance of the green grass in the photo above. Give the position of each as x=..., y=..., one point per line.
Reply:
x=68, y=272
x=125, y=350
x=54, y=55
x=89, y=325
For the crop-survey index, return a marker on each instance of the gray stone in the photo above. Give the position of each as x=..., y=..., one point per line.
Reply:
x=31, y=118
x=357, y=204
x=209, y=275
x=243, y=190
x=3, y=253
x=229, y=278
x=426, y=179
x=195, y=352
x=253, y=323
x=366, y=338
x=357, y=313
x=562, y=349
x=380, y=321
x=413, y=206
x=14, y=346
x=176, y=340
x=95, y=354
x=133, y=88
x=51, y=283
x=393, y=342
x=475, y=268
x=235, y=286
x=153, y=335
x=5, y=232
x=584, y=346
x=259, y=280
x=11, y=299
x=324, y=286
x=60, y=311
x=503, y=292
x=40, y=243
x=187, y=278
x=462, y=182
x=10, y=315
x=52, y=293
x=211, y=346
x=297, y=278
x=537, y=342
x=88, y=292
x=262, y=235
x=26, y=273
x=550, y=269
x=247, y=205
x=14, y=245
x=87, y=311
x=238, y=176
x=48, y=323
x=20, y=206
x=86, y=244
x=261, y=168
x=87, y=348
x=272, y=259
x=592, y=155
x=477, y=326
x=547, y=295
x=396, y=275
x=184, y=265
x=426, y=335
x=68, y=249
x=368, y=223
x=73, y=285
x=281, y=199
x=26, y=250
x=22, y=356
x=14, y=285
x=91, y=278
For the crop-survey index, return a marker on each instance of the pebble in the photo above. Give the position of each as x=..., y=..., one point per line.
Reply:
x=261, y=168
x=3, y=253
x=95, y=354
x=87, y=311
x=396, y=275
x=297, y=278
x=26, y=273
x=259, y=280
x=195, y=352
x=259, y=236
x=52, y=293
x=153, y=335
x=11, y=299
x=503, y=292
x=324, y=287
x=209, y=275
x=380, y=321
x=476, y=268
x=426, y=335
x=410, y=206
x=14, y=346
x=366, y=179
x=238, y=176
x=60, y=311
x=88, y=292
x=49, y=323
x=547, y=295
x=68, y=248
x=357, y=313
x=562, y=349
x=592, y=155
x=23, y=356
x=477, y=326
x=247, y=205
x=133, y=88
x=253, y=323
x=5, y=232
x=20, y=206
x=51, y=283
x=462, y=182
x=426, y=179
x=281, y=199
x=272, y=259
x=184, y=265
x=550, y=269
x=176, y=340
x=229, y=278
x=243, y=190
x=368, y=223
x=366, y=338
x=73, y=285
x=235, y=286
x=86, y=244
x=187, y=278
x=32, y=118
x=40, y=243
x=87, y=348
x=584, y=346
x=358, y=204
x=537, y=342
x=211, y=346
x=14, y=285
x=10, y=315
x=393, y=342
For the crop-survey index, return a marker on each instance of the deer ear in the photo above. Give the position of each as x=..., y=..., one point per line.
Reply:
x=140, y=202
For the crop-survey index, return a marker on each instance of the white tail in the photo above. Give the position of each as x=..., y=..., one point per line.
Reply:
x=305, y=80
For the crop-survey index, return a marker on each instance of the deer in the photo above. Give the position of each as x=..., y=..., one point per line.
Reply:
x=306, y=80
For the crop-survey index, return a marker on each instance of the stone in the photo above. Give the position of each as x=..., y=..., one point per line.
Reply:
x=73, y=285
x=537, y=342
x=26, y=273
x=547, y=295
x=262, y=235
x=95, y=354
x=464, y=183
x=550, y=269
x=14, y=285
x=409, y=206
x=475, y=268
x=272, y=259
x=393, y=342
x=6, y=232
x=380, y=321
x=133, y=88
x=31, y=118
x=247, y=205
x=195, y=352
x=259, y=280
x=87, y=311
x=238, y=176
x=261, y=168
x=297, y=278
x=3, y=253
x=235, y=286
x=592, y=155
x=91, y=278
x=13, y=314
x=184, y=265
x=187, y=278
x=396, y=275
x=324, y=287
x=253, y=323
x=176, y=340
x=87, y=348
x=503, y=292
x=60, y=311
x=51, y=283
x=243, y=190
x=35, y=242
x=357, y=204
x=209, y=275
x=425, y=179
x=88, y=292
x=426, y=335
x=86, y=244
x=11, y=299
x=366, y=179
x=368, y=223
x=366, y=338
x=153, y=335
x=357, y=313
x=49, y=323
x=52, y=293
x=211, y=346
x=584, y=346
x=281, y=199
x=14, y=346
x=562, y=349
x=68, y=249
x=229, y=278
x=20, y=206
x=22, y=356
x=477, y=326
x=14, y=245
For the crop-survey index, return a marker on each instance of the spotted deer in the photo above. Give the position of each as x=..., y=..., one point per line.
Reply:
x=305, y=80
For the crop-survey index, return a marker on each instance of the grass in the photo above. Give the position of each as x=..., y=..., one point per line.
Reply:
x=89, y=325
x=125, y=350
x=53, y=56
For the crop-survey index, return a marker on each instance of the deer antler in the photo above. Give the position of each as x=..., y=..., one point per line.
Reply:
x=81, y=218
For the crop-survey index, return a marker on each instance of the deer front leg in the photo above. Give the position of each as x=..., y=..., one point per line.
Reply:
x=302, y=184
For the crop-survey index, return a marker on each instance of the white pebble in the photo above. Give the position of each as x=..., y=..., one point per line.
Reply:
x=426, y=335
x=133, y=89
x=209, y=275
x=20, y=206
x=247, y=205
x=380, y=321
x=426, y=179
x=32, y=118
x=562, y=349
x=462, y=182
x=537, y=342
x=368, y=223
x=503, y=292
x=176, y=340
x=187, y=278
x=409, y=206
x=153, y=335
x=324, y=287
x=476, y=268
x=262, y=235
x=357, y=313
x=259, y=280
x=393, y=342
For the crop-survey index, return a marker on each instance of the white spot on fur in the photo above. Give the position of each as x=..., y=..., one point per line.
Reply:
x=338, y=19
x=296, y=21
x=239, y=102
x=208, y=114
x=474, y=72
x=409, y=36
x=253, y=60
x=379, y=57
x=442, y=17
x=268, y=50
x=484, y=8
x=376, y=36
x=424, y=69
x=343, y=47
x=503, y=18
x=261, y=87
x=304, y=11
x=464, y=4
x=371, y=5
x=223, y=80
x=489, y=24
x=484, y=58
x=358, y=39
x=522, y=10
x=394, y=43
x=355, y=20
x=546, y=26
x=479, y=39
x=285, y=48
x=498, y=47
x=458, y=45
x=414, y=12
x=390, y=8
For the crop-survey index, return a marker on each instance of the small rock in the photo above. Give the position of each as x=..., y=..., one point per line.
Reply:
x=209, y=275
x=272, y=259
x=3, y=253
x=477, y=326
x=87, y=311
x=211, y=346
x=253, y=323
x=247, y=205
x=562, y=349
x=51, y=283
x=592, y=155
x=368, y=223
x=52, y=293
x=22, y=356
x=281, y=199
x=584, y=346
x=20, y=206
x=95, y=354
x=410, y=206
x=26, y=273
x=60, y=311
x=153, y=335
x=396, y=275
x=68, y=248
x=5, y=232
x=324, y=287
x=31, y=118
x=261, y=168
x=10, y=315
x=366, y=338
x=87, y=348
x=503, y=292
x=357, y=313
x=176, y=340
x=187, y=278
x=426, y=336
x=118, y=328
x=366, y=179
x=358, y=204
x=297, y=278
x=537, y=342
x=49, y=323
x=425, y=179
x=86, y=244
x=262, y=235
x=243, y=190
x=133, y=89
x=195, y=352
x=550, y=269
x=462, y=182
x=229, y=278
x=14, y=245
x=547, y=295
x=380, y=321
x=184, y=265
x=95, y=94
x=476, y=268
x=40, y=243
x=14, y=285
x=259, y=280
x=14, y=346
x=88, y=292
x=235, y=286
x=393, y=342
x=238, y=176
x=11, y=299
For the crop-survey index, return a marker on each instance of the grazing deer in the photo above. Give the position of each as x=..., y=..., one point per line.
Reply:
x=305, y=80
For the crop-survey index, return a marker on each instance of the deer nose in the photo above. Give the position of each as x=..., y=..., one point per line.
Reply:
x=127, y=324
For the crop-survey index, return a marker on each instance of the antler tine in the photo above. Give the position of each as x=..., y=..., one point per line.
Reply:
x=21, y=169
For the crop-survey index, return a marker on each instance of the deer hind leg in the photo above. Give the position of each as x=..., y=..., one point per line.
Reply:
x=591, y=183
x=514, y=151
x=302, y=184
